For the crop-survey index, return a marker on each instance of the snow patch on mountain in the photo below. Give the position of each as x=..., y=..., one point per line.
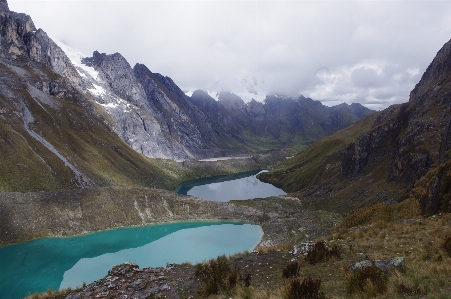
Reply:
x=248, y=97
x=110, y=105
x=102, y=94
x=97, y=90
x=76, y=57
x=213, y=94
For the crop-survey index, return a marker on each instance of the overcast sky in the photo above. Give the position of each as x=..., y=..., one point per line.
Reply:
x=372, y=52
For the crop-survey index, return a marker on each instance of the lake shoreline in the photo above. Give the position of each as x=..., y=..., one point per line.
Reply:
x=31, y=215
x=59, y=263
x=78, y=212
x=284, y=220
x=237, y=186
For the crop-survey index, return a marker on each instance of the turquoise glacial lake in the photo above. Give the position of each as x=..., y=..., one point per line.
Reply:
x=54, y=263
x=239, y=186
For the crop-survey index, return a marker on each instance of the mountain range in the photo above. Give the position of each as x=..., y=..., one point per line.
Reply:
x=69, y=121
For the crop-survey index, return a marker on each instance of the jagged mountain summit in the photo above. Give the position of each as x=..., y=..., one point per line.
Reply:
x=156, y=118
x=152, y=115
x=278, y=121
x=399, y=153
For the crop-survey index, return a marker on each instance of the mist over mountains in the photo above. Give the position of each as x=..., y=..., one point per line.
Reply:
x=161, y=121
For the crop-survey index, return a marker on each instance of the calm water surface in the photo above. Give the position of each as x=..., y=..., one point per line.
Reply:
x=238, y=186
x=54, y=263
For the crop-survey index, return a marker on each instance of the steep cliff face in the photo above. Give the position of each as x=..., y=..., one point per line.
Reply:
x=403, y=153
x=122, y=95
x=413, y=140
x=19, y=37
x=412, y=136
x=41, y=48
x=183, y=121
x=431, y=97
x=14, y=27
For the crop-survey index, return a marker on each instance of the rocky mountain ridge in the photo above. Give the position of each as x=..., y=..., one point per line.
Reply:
x=148, y=111
x=53, y=133
x=280, y=120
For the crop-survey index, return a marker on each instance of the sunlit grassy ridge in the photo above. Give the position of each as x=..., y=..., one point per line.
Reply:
x=320, y=162
x=421, y=242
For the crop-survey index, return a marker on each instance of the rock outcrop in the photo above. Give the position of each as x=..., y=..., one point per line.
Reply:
x=385, y=266
x=19, y=37
x=14, y=28
x=41, y=48
x=122, y=95
x=180, y=119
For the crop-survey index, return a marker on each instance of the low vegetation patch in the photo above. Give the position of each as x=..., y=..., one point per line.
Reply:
x=447, y=245
x=307, y=289
x=217, y=275
x=319, y=252
x=407, y=290
x=369, y=281
x=50, y=294
x=291, y=270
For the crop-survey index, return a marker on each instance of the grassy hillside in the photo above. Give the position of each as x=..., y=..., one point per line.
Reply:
x=319, y=162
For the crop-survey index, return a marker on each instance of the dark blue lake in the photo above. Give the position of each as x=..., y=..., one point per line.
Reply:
x=53, y=263
x=239, y=186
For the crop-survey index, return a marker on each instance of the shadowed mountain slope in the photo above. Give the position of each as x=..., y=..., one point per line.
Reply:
x=280, y=121
x=401, y=149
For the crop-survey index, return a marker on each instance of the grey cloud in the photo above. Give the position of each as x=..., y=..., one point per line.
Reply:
x=366, y=78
